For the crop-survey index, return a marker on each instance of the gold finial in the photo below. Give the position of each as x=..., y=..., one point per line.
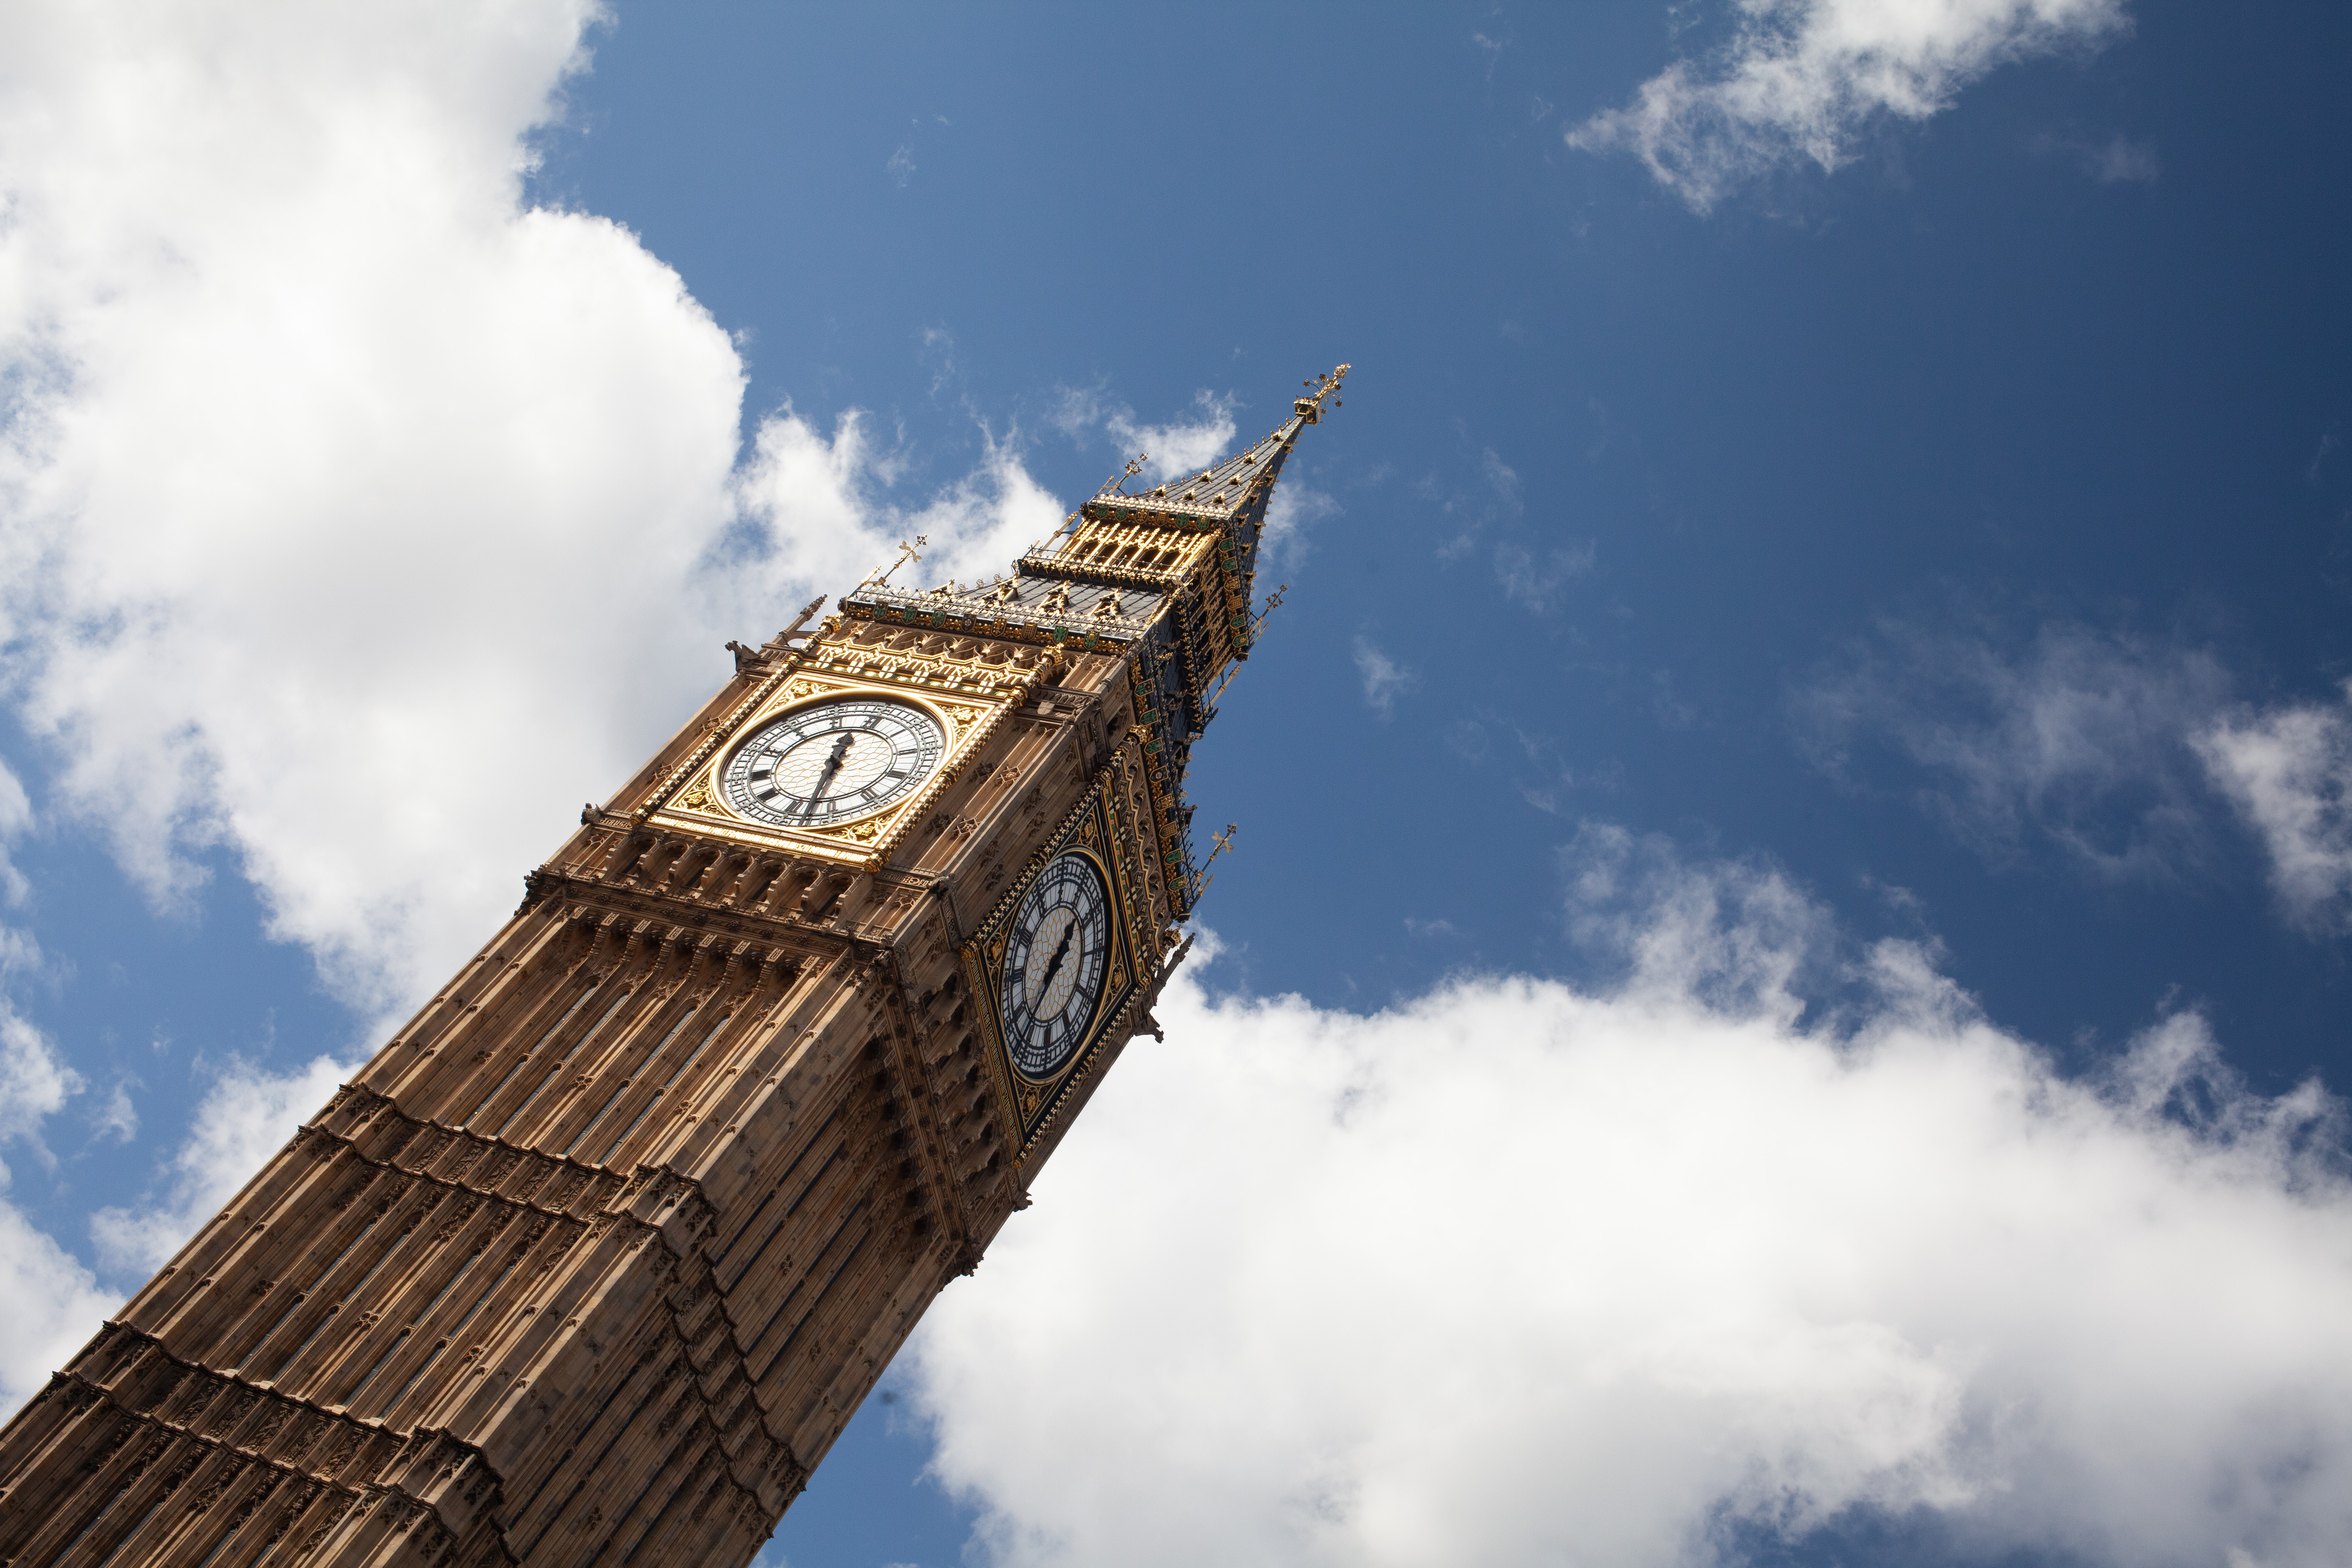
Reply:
x=1272, y=603
x=880, y=578
x=1117, y=483
x=1310, y=407
x=1200, y=879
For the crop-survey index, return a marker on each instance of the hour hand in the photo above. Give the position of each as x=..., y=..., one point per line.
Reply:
x=1055, y=965
x=832, y=766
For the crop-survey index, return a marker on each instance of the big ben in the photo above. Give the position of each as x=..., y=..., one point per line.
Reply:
x=592, y=1262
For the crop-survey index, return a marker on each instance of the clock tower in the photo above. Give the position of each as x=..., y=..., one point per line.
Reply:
x=593, y=1261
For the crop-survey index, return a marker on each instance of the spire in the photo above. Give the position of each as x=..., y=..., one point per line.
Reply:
x=1233, y=489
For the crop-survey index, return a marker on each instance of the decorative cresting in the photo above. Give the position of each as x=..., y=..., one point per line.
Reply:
x=593, y=1261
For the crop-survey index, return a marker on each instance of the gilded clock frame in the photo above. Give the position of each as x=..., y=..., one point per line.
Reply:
x=1031, y=1105
x=692, y=797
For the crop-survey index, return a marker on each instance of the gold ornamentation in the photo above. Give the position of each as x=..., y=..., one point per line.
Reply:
x=697, y=797
x=805, y=687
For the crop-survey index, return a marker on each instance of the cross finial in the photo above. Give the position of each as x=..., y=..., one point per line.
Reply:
x=1117, y=483
x=1310, y=407
x=1200, y=879
x=906, y=553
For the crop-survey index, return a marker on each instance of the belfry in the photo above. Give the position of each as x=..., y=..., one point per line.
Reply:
x=591, y=1263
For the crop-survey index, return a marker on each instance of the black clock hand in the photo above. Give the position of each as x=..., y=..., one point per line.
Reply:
x=832, y=766
x=1060, y=954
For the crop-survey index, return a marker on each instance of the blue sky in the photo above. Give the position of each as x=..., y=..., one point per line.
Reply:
x=1781, y=988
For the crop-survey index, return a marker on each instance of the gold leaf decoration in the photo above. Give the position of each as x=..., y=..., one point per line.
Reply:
x=805, y=687
x=697, y=797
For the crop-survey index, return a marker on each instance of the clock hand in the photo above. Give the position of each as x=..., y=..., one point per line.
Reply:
x=1060, y=954
x=832, y=766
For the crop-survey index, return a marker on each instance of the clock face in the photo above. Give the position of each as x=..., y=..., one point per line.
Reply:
x=1054, y=962
x=832, y=762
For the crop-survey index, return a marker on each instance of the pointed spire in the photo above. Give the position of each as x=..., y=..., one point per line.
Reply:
x=1233, y=489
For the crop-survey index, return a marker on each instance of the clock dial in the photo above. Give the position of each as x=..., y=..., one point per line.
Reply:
x=832, y=762
x=1054, y=962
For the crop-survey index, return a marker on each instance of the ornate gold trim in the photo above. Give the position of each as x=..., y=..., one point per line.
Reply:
x=1032, y=1105
x=866, y=842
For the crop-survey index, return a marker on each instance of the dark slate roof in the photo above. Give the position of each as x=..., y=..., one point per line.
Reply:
x=1235, y=489
x=1230, y=490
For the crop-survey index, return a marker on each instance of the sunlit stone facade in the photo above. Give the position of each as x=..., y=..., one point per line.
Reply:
x=593, y=1261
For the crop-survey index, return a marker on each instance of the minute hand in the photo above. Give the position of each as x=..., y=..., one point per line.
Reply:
x=1054, y=966
x=832, y=766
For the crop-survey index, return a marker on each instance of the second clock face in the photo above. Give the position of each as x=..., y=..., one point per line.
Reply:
x=832, y=762
x=1053, y=966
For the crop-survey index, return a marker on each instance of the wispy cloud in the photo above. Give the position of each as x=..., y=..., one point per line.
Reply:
x=2121, y=159
x=49, y=1299
x=1467, y=513
x=1176, y=447
x=1384, y=679
x=1800, y=82
x=2070, y=736
x=1535, y=578
x=16, y=817
x=2289, y=770
x=2116, y=160
x=247, y=1115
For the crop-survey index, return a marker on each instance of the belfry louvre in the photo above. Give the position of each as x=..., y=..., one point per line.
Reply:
x=591, y=1263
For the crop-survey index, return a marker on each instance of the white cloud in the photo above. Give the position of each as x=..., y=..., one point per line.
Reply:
x=2080, y=738
x=1384, y=679
x=246, y=1116
x=1801, y=79
x=358, y=518
x=2289, y=771
x=1178, y=448
x=118, y=1119
x=50, y=1301
x=1296, y=507
x=820, y=518
x=1521, y=1274
x=16, y=817
x=35, y=1081
x=344, y=491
